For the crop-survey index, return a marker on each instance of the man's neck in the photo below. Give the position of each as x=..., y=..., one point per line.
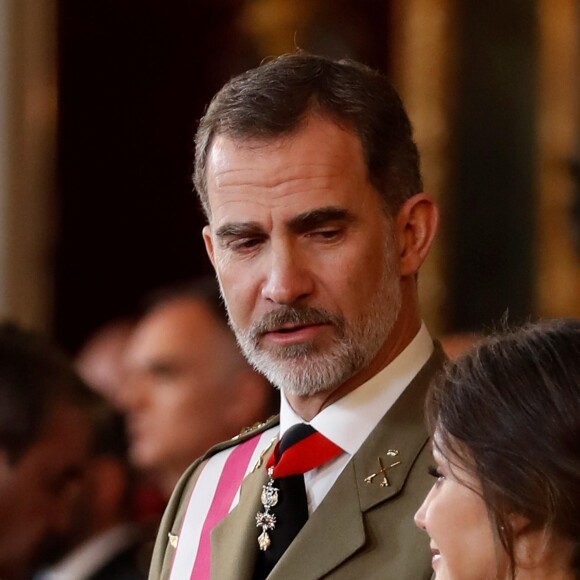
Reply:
x=401, y=335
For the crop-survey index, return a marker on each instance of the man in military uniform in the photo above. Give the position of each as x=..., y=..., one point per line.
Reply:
x=317, y=227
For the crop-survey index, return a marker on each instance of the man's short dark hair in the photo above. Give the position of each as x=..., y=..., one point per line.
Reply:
x=274, y=99
x=205, y=289
x=34, y=376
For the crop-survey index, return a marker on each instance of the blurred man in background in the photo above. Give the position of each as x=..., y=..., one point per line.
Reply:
x=188, y=386
x=44, y=446
x=103, y=541
x=101, y=363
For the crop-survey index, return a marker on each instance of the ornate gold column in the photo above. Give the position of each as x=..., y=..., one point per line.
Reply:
x=558, y=267
x=27, y=158
x=423, y=68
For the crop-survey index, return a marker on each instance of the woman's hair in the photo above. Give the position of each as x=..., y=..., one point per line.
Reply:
x=509, y=410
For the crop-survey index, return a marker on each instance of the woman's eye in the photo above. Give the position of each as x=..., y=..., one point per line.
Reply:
x=434, y=472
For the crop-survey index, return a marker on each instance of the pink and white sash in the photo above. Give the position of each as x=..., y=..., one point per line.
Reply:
x=216, y=493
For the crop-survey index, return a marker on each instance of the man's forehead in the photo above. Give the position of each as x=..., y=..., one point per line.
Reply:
x=313, y=119
x=175, y=331
x=319, y=166
x=251, y=142
x=178, y=319
x=224, y=146
x=317, y=133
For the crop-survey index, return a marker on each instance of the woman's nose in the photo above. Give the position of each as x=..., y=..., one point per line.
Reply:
x=420, y=515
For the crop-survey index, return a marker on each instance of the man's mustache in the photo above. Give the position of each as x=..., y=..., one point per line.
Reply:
x=285, y=315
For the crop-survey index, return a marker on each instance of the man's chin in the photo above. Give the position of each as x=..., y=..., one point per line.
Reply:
x=302, y=383
x=306, y=391
x=302, y=370
x=288, y=353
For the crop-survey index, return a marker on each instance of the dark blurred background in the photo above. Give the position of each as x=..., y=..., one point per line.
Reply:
x=491, y=88
x=135, y=77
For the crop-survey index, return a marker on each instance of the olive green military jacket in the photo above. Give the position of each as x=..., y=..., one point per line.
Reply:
x=361, y=530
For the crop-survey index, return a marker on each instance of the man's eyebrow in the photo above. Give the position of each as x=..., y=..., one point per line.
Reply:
x=319, y=217
x=239, y=229
x=303, y=222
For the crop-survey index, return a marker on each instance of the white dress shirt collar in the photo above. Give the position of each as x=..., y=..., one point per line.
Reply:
x=90, y=556
x=350, y=420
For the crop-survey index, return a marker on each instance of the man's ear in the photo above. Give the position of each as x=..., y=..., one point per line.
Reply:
x=416, y=226
x=206, y=232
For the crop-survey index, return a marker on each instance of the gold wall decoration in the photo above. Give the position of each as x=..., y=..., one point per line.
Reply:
x=558, y=266
x=28, y=119
x=274, y=24
x=423, y=67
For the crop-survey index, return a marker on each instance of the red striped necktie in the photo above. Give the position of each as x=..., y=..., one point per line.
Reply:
x=301, y=449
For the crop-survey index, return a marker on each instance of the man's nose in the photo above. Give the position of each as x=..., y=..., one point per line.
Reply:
x=288, y=279
x=130, y=395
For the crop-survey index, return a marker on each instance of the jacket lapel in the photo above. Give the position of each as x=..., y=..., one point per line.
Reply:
x=335, y=531
x=396, y=441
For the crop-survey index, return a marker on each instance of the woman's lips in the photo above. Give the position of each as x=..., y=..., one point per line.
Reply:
x=435, y=557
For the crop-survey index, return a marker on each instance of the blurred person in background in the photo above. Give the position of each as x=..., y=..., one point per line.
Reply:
x=100, y=362
x=103, y=541
x=44, y=446
x=188, y=385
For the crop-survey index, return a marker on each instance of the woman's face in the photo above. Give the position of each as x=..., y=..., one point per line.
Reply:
x=455, y=516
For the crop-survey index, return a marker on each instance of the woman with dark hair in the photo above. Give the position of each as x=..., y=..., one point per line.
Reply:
x=505, y=420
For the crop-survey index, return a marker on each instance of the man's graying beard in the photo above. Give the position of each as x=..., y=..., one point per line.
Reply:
x=306, y=369
x=299, y=369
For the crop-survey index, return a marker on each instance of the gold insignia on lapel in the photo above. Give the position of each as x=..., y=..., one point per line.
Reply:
x=383, y=470
x=264, y=453
x=248, y=430
x=173, y=539
x=255, y=427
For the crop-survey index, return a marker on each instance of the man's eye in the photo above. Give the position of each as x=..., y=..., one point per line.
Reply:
x=326, y=234
x=245, y=244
